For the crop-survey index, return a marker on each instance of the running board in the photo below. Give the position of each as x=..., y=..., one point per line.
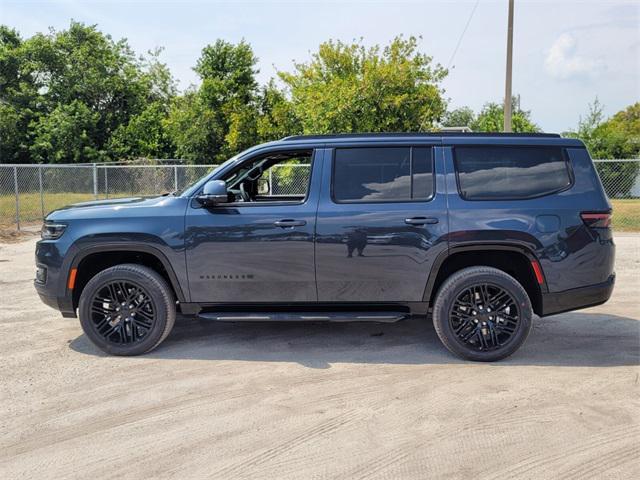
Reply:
x=377, y=317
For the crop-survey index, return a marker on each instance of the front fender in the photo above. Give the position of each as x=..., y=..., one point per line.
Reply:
x=81, y=250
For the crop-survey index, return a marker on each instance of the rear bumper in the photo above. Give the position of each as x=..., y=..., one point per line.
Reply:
x=577, y=298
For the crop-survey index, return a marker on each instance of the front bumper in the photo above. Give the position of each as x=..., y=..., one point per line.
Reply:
x=61, y=304
x=64, y=304
x=51, y=285
x=577, y=298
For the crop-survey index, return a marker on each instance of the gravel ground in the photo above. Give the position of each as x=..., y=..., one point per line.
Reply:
x=318, y=401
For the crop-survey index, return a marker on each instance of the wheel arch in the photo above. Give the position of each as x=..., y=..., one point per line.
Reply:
x=93, y=259
x=513, y=259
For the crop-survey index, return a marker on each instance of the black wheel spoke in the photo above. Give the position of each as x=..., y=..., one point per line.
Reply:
x=145, y=315
x=482, y=340
x=122, y=312
x=484, y=317
x=463, y=326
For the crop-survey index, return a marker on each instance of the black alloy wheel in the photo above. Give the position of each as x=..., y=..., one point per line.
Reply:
x=127, y=309
x=484, y=317
x=122, y=312
x=482, y=314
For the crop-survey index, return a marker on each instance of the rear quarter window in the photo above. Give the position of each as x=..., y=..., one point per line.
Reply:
x=510, y=173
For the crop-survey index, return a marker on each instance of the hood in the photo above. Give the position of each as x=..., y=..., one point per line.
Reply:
x=109, y=208
x=98, y=203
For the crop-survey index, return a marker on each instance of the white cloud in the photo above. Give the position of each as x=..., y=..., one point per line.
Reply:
x=563, y=62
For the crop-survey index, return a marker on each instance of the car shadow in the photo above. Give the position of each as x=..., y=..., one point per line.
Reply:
x=576, y=339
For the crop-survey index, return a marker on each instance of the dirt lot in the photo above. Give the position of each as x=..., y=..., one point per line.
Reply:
x=318, y=401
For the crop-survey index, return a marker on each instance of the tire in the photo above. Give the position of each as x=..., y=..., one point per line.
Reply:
x=127, y=328
x=463, y=318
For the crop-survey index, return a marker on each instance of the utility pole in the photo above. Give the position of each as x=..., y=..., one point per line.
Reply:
x=507, y=90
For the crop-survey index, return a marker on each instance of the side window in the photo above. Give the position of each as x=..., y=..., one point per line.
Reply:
x=379, y=174
x=289, y=177
x=281, y=176
x=492, y=173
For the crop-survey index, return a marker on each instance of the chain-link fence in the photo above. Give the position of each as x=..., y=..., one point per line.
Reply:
x=621, y=181
x=29, y=192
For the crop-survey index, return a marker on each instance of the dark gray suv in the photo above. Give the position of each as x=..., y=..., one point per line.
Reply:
x=479, y=230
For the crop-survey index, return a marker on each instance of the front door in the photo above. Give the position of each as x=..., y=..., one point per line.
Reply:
x=382, y=220
x=259, y=247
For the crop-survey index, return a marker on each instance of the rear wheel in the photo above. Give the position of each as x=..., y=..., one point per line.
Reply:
x=127, y=309
x=482, y=314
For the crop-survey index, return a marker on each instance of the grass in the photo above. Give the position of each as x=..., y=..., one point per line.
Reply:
x=626, y=213
x=30, y=206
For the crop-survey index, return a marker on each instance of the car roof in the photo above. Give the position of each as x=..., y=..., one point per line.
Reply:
x=446, y=138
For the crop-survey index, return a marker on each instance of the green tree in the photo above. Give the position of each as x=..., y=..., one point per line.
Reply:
x=617, y=137
x=351, y=88
x=228, y=73
x=66, y=135
x=83, y=75
x=161, y=86
x=491, y=118
x=146, y=133
x=219, y=118
x=14, y=144
x=277, y=118
x=18, y=98
x=191, y=126
x=242, y=132
x=460, y=117
x=82, y=64
x=144, y=136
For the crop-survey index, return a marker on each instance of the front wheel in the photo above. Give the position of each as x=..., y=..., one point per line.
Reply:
x=127, y=309
x=482, y=314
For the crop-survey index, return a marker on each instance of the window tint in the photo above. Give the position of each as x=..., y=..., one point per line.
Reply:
x=422, y=173
x=383, y=174
x=487, y=173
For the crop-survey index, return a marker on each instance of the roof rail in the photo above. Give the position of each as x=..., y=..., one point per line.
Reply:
x=417, y=135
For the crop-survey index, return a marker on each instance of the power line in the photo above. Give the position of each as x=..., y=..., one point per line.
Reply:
x=455, y=50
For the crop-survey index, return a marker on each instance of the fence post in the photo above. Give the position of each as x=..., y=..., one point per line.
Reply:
x=106, y=182
x=271, y=181
x=95, y=181
x=41, y=192
x=175, y=178
x=15, y=185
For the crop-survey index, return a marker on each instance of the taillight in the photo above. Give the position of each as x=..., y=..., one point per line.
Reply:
x=596, y=219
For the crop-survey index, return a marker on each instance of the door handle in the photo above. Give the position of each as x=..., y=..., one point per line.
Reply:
x=287, y=223
x=421, y=221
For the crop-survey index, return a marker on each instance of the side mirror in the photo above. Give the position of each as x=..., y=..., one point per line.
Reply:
x=214, y=192
x=263, y=186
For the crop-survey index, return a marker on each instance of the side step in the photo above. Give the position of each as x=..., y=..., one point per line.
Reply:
x=378, y=317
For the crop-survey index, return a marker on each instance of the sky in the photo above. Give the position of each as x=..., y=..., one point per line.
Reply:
x=566, y=53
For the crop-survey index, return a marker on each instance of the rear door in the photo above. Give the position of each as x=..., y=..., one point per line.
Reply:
x=382, y=220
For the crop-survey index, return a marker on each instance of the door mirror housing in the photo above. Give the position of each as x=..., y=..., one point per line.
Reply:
x=213, y=193
x=263, y=186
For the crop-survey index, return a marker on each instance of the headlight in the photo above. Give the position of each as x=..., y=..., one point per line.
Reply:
x=51, y=231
